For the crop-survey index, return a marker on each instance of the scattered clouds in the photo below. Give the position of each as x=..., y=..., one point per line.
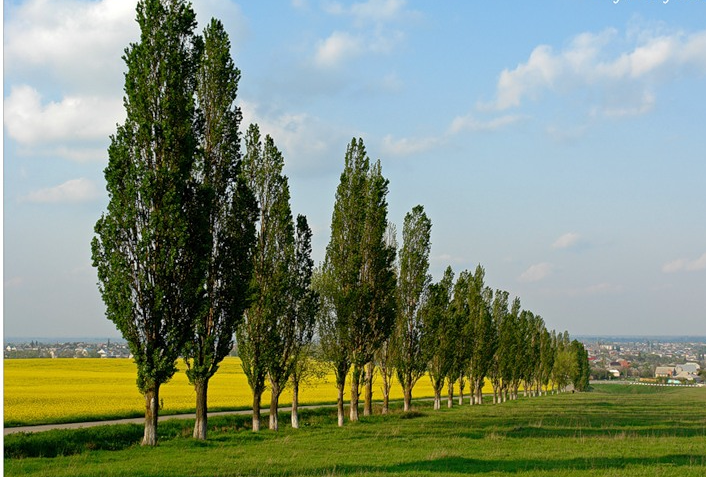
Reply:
x=72, y=191
x=72, y=42
x=469, y=123
x=568, y=240
x=342, y=46
x=459, y=125
x=537, y=272
x=307, y=142
x=370, y=32
x=337, y=48
x=590, y=62
x=29, y=120
x=604, y=288
x=685, y=265
x=408, y=146
x=376, y=11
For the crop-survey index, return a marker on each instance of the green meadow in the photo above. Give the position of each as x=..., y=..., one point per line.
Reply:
x=614, y=430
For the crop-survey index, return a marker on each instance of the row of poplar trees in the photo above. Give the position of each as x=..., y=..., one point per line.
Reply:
x=199, y=245
x=382, y=317
x=198, y=242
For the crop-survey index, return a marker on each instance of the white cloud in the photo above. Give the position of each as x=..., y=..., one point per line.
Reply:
x=685, y=265
x=567, y=240
x=342, y=46
x=307, y=142
x=408, y=146
x=597, y=289
x=372, y=10
x=69, y=40
x=338, y=47
x=537, y=272
x=370, y=32
x=588, y=63
x=29, y=121
x=469, y=123
x=72, y=191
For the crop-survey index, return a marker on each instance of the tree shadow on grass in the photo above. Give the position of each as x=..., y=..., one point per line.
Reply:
x=462, y=465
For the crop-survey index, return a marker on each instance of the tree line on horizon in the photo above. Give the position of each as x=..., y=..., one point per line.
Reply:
x=198, y=249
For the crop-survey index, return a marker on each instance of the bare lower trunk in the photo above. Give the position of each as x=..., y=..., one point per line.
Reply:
x=274, y=406
x=201, y=424
x=461, y=386
x=437, y=398
x=386, y=396
x=256, y=400
x=355, y=379
x=151, y=416
x=341, y=389
x=295, y=405
x=368, y=406
x=450, y=401
x=407, y=398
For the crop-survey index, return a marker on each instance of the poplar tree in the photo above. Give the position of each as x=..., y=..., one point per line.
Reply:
x=439, y=338
x=359, y=275
x=258, y=335
x=293, y=329
x=230, y=212
x=148, y=257
x=412, y=288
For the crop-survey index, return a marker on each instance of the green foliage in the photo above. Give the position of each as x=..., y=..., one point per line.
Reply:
x=268, y=322
x=358, y=278
x=439, y=338
x=227, y=207
x=149, y=262
x=411, y=358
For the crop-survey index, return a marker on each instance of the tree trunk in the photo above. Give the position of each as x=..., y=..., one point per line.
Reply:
x=368, y=406
x=437, y=398
x=341, y=389
x=355, y=380
x=256, y=399
x=450, y=401
x=151, y=416
x=461, y=386
x=201, y=424
x=479, y=398
x=407, y=398
x=274, y=406
x=295, y=405
x=386, y=396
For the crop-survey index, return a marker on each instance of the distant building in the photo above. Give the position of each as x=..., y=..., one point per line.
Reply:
x=664, y=372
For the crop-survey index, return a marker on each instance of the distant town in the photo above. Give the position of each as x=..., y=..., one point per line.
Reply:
x=650, y=359
x=668, y=360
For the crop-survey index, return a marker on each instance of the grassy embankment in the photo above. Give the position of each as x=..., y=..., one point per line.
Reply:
x=615, y=430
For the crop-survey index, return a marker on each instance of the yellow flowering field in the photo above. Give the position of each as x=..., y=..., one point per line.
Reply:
x=65, y=390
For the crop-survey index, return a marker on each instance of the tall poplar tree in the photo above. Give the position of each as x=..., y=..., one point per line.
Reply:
x=293, y=329
x=148, y=256
x=358, y=269
x=230, y=212
x=412, y=288
x=439, y=338
x=258, y=335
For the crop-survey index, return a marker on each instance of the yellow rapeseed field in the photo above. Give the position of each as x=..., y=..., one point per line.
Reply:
x=65, y=390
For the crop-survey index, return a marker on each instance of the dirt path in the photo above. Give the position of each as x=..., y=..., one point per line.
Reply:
x=141, y=420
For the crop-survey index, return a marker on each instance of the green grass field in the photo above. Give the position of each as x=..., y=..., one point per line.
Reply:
x=616, y=430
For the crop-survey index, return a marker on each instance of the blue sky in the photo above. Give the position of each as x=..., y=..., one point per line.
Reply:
x=559, y=144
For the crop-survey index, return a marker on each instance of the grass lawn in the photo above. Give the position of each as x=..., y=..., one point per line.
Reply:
x=616, y=430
